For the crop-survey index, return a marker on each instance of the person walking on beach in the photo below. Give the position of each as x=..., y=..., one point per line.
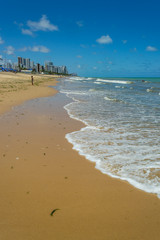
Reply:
x=32, y=80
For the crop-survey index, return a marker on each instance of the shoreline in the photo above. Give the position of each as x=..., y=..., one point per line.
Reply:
x=91, y=159
x=40, y=171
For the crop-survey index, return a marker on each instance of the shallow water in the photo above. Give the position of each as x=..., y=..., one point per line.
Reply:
x=122, y=133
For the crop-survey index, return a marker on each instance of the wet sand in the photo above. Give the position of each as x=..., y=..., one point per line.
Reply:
x=40, y=172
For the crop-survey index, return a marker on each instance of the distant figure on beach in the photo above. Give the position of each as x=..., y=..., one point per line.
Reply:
x=32, y=80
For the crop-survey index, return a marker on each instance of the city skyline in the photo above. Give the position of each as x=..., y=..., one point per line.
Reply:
x=27, y=64
x=118, y=38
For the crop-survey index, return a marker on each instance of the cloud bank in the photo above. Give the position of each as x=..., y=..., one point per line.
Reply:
x=38, y=48
x=41, y=49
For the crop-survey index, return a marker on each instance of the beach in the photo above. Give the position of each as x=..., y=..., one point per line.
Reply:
x=40, y=173
x=16, y=88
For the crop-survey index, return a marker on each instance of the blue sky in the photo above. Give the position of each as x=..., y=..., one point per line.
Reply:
x=92, y=38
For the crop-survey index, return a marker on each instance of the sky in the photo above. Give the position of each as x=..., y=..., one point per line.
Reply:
x=118, y=38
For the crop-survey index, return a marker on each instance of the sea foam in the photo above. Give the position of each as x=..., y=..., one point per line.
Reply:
x=122, y=139
x=113, y=81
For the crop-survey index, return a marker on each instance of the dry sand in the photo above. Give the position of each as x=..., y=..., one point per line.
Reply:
x=16, y=88
x=39, y=172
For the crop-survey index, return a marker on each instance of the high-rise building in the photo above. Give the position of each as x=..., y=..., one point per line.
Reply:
x=32, y=64
x=48, y=66
x=62, y=70
x=54, y=69
x=23, y=62
x=19, y=61
x=1, y=62
x=38, y=68
x=28, y=63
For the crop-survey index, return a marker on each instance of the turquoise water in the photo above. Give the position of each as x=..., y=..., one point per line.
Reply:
x=122, y=133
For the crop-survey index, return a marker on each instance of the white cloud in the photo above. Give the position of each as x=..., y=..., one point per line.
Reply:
x=105, y=40
x=151, y=49
x=110, y=62
x=78, y=66
x=80, y=23
x=42, y=25
x=0, y=57
x=9, y=50
x=79, y=56
x=42, y=49
x=1, y=40
x=94, y=68
x=27, y=32
x=124, y=41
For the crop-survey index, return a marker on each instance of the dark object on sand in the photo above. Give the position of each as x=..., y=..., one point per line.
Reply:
x=54, y=211
x=32, y=80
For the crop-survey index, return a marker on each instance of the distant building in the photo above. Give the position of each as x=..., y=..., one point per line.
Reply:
x=38, y=68
x=23, y=62
x=64, y=70
x=54, y=69
x=1, y=62
x=48, y=66
x=32, y=64
x=27, y=63
x=42, y=68
x=19, y=61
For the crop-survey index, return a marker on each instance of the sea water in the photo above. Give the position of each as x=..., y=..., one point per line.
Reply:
x=122, y=132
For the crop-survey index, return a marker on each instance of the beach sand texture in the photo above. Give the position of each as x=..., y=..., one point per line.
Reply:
x=16, y=88
x=40, y=172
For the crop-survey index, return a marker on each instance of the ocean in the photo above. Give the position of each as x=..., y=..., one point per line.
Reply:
x=122, y=126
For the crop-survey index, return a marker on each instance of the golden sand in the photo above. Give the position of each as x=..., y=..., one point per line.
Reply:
x=39, y=172
x=16, y=88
